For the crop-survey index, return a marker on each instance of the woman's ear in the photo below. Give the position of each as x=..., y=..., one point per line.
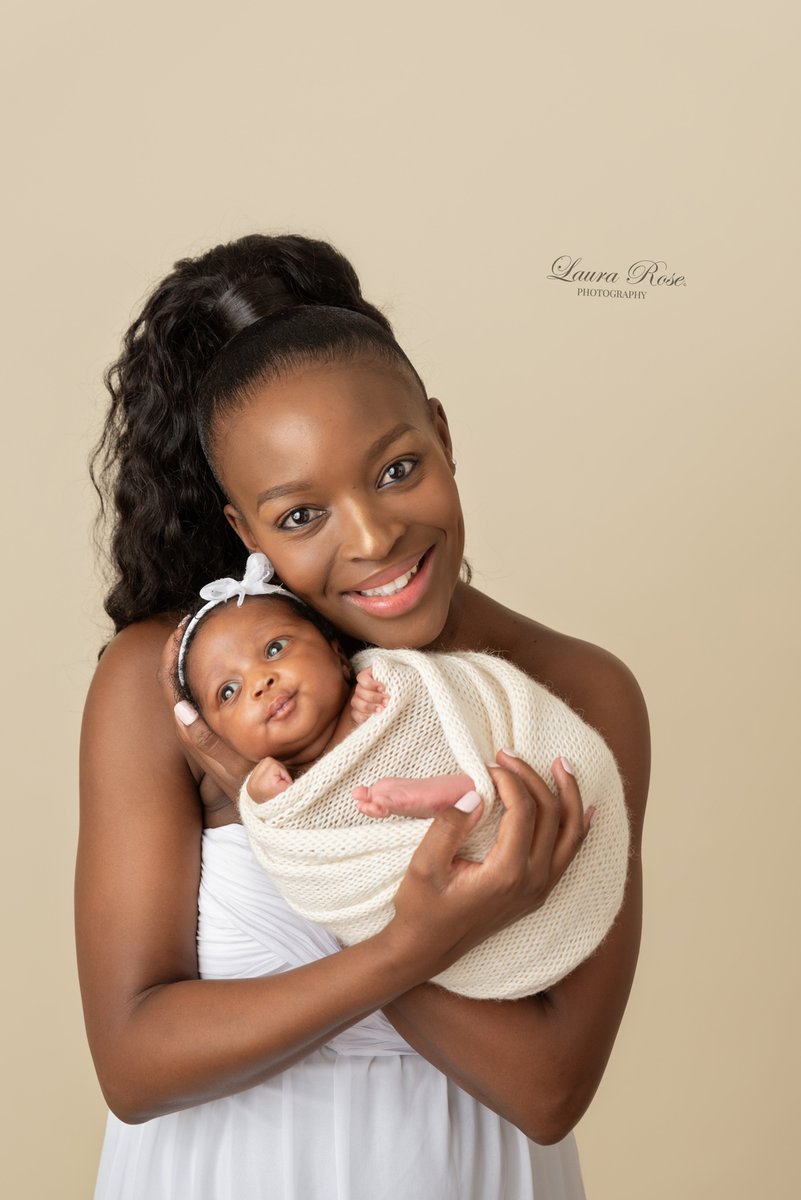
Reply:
x=240, y=527
x=440, y=422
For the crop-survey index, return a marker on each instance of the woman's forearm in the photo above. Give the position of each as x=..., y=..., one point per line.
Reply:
x=537, y=1061
x=176, y=1045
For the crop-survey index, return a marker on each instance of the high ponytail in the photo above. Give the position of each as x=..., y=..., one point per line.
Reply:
x=239, y=313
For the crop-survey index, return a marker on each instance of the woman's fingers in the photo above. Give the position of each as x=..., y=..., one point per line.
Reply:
x=575, y=822
x=168, y=664
x=560, y=824
x=224, y=765
x=434, y=856
x=512, y=847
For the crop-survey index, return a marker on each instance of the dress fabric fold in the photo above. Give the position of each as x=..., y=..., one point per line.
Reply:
x=362, y=1118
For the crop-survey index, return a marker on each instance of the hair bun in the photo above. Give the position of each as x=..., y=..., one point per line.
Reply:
x=262, y=275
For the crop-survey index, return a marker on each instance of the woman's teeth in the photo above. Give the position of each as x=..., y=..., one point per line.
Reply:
x=397, y=585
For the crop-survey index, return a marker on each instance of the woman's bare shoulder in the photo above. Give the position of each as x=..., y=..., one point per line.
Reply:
x=125, y=707
x=136, y=649
x=594, y=682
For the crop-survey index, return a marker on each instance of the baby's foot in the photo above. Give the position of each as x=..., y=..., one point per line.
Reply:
x=412, y=797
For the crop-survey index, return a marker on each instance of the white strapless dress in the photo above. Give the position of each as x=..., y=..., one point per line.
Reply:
x=362, y=1118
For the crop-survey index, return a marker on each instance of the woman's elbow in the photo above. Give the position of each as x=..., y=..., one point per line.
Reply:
x=556, y=1116
x=134, y=1091
x=129, y=1102
x=547, y=1132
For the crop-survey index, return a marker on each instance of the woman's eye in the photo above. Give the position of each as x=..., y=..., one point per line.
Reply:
x=298, y=517
x=273, y=649
x=227, y=691
x=395, y=472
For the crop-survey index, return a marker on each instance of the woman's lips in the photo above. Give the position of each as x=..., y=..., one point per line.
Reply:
x=381, y=578
x=398, y=602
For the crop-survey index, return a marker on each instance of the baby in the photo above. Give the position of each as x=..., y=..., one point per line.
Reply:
x=269, y=677
x=272, y=680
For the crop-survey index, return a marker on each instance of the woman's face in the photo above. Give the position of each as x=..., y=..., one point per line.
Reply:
x=342, y=475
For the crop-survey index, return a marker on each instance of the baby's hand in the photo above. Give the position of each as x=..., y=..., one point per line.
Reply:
x=267, y=780
x=369, y=697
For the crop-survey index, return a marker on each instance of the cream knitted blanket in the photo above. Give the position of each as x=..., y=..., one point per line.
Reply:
x=447, y=713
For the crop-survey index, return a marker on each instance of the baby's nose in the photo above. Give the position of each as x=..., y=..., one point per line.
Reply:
x=262, y=684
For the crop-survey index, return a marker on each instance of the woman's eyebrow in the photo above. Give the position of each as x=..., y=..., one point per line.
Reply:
x=303, y=485
x=282, y=489
x=386, y=439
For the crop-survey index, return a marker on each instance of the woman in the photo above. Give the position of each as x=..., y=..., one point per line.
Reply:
x=261, y=402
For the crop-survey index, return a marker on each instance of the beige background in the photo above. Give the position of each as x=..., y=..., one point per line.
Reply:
x=628, y=466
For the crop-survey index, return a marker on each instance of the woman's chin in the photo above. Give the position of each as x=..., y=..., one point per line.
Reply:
x=414, y=630
x=413, y=617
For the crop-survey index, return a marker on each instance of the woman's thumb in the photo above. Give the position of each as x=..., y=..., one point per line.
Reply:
x=449, y=829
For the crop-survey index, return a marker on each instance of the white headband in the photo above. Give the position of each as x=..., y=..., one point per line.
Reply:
x=255, y=582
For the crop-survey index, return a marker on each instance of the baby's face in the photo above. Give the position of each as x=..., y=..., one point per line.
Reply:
x=267, y=681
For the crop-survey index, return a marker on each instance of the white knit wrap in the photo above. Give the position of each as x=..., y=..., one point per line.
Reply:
x=447, y=713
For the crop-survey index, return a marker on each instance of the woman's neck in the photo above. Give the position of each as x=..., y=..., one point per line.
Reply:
x=472, y=623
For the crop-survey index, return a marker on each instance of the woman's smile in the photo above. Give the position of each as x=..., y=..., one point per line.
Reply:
x=342, y=475
x=400, y=594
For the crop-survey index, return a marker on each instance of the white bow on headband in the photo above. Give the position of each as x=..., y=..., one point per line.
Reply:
x=255, y=582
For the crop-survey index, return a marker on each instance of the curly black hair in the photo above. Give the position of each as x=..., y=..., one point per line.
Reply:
x=214, y=328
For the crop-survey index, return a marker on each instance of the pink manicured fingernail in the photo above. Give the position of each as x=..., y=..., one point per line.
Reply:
x=511, y=753
x=591, y=811
x=566, y=765
x=469, y=802
x=185, y=713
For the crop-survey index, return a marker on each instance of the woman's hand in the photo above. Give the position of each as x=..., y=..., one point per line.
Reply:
x=459, y=903
x=223, y=770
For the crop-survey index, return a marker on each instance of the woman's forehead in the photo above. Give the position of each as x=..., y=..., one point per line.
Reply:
x=341, y=410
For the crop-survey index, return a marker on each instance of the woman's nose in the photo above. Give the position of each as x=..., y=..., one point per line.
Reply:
x=369, y=532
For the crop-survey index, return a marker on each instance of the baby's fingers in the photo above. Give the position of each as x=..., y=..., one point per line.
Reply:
x=369, y=693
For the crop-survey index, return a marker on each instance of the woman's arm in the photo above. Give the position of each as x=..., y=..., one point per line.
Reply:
x=163, y=1039
x=539, y=1061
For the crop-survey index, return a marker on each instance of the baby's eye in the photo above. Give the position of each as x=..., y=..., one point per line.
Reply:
x=273, y=649
x=227, y=691
x=395, y=472
x=297, y=518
